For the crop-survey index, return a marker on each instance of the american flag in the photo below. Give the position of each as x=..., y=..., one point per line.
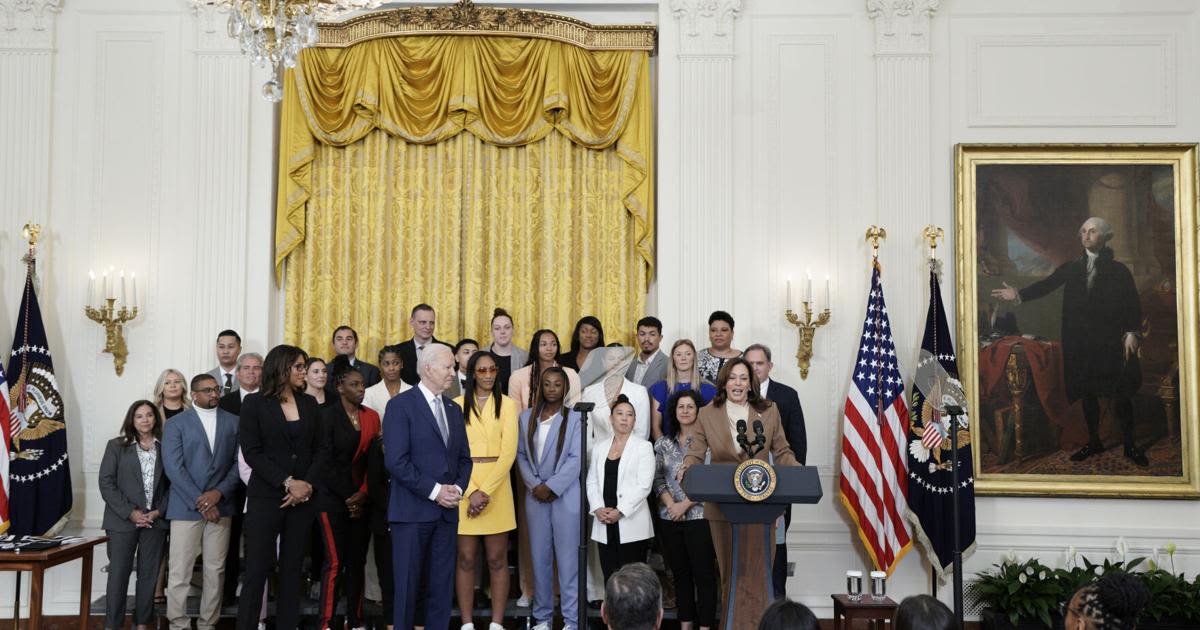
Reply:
x=874, y=474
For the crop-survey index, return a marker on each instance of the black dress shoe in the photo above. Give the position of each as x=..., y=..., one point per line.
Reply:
x=1087, y=451
x=1137, y=456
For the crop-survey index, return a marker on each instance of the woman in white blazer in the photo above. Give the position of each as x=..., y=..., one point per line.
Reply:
x=620, y=475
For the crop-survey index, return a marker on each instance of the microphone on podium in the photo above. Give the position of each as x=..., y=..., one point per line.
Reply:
x=760, y=440
x=742, y=440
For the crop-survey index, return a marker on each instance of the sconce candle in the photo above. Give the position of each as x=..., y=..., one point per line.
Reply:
x=104, y=311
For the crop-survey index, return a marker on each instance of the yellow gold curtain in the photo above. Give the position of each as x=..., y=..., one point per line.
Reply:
x=543, y=206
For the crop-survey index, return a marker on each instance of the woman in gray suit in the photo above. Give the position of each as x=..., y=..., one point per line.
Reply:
x=135, y=499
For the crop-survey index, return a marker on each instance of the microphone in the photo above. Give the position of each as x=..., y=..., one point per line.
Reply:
x=741, y=436
x=760, y=440
x=584, y=407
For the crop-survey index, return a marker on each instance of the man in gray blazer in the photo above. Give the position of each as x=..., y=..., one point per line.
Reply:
x=200, y=458
x=650, y=366
x=229, y=347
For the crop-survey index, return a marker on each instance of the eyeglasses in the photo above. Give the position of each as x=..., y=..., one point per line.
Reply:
x=207, y=390
x=487, y=370
x=299, y=366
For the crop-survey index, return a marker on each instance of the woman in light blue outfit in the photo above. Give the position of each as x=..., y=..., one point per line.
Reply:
x=548, y=456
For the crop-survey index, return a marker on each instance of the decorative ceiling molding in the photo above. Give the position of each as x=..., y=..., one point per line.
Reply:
x=28, y=24
x=707, y=24
x=902, y=26
x=467, y=18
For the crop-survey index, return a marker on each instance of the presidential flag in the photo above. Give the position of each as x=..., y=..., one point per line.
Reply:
x=40, y=497
x=4, y=464
x=874, y=425
x=930, y=461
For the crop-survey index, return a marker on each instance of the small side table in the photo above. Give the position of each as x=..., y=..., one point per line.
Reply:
x=36, y=562
x=877, y=613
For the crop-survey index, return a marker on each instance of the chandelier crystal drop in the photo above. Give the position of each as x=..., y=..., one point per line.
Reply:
x=273, y=32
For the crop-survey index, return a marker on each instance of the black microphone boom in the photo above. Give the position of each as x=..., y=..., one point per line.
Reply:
x=760, y=440
x=742, y=440
x=583, y=408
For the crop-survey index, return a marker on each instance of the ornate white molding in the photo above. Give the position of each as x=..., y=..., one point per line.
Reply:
x=707, y=24
x=212, y=34
x=902, y=26
x=28, y=24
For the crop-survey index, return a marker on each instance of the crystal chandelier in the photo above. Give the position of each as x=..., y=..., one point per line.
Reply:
x=273, y=32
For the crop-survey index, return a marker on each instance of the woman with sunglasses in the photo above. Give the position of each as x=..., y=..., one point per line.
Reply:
x=486, y=511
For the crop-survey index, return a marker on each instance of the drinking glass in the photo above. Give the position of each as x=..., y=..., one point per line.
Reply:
x=854, y=585
x=878, y=586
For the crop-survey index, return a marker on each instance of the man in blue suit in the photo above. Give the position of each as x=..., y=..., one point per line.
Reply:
x=199, y=448
x=426, y=451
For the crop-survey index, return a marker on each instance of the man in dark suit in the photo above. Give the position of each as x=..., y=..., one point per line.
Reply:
x=199, y=448
x=229, y=346
x=791, y=415
x=345, y=343
x=1101, y=324
x=423, y=321
x=650, y=365
x=426, y=452
x=249, y=375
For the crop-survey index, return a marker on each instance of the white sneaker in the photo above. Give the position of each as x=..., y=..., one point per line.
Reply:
x=545, y=625
x=523, y=602
x=495, y=626
x=468, y=626
x=262, y=626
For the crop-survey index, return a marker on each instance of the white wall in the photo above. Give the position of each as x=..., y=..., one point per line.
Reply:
x=137, y=137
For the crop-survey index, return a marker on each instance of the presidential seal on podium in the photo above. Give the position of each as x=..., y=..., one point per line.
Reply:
x=754, y=480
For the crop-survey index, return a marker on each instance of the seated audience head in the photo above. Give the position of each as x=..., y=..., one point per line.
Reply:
x=142, y=418
x=463, y=351
x=283, y=372
x=682, y=408
x=785, y=614
x=229, y=346
x=171, y=386
x=683, y=365
x=1111, y=603
x=623, y=416
x=632, y=599
x=922, y=612
x=736, y=383
x=436, y=367
x=588, y=334
x=249, y=371
x=720, y=330
x=348, y=381
x=759, y=358
x=481, y=371
x=206, y=393
x=649, y=335
x=543, y=352
x=316, y=373
x=502, y=328
x=391, y=363
x=345, y=341
x=423, y=321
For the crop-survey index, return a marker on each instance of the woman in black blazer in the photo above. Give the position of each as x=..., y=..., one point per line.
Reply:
x=278, y=435
x=135, y=498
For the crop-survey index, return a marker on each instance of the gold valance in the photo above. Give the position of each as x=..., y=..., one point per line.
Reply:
x=507, y=91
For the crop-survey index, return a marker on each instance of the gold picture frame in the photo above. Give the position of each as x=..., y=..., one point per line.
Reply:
x=1068, y=401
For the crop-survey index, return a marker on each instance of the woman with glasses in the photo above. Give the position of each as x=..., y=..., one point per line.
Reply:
x=486, y=511
x=278, y=435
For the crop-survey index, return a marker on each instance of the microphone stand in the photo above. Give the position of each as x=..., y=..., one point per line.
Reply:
x=583, y=408
x=955, y=411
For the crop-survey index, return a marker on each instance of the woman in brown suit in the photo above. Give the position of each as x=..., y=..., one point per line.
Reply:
x=738, y=398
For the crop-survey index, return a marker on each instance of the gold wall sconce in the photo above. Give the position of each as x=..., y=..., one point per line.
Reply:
x=806, y=325
x=101, y=307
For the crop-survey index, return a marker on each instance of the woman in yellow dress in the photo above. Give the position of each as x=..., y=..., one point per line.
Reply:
x=487, y=509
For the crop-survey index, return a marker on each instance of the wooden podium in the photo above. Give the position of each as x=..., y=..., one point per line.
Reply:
x=716, y=483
